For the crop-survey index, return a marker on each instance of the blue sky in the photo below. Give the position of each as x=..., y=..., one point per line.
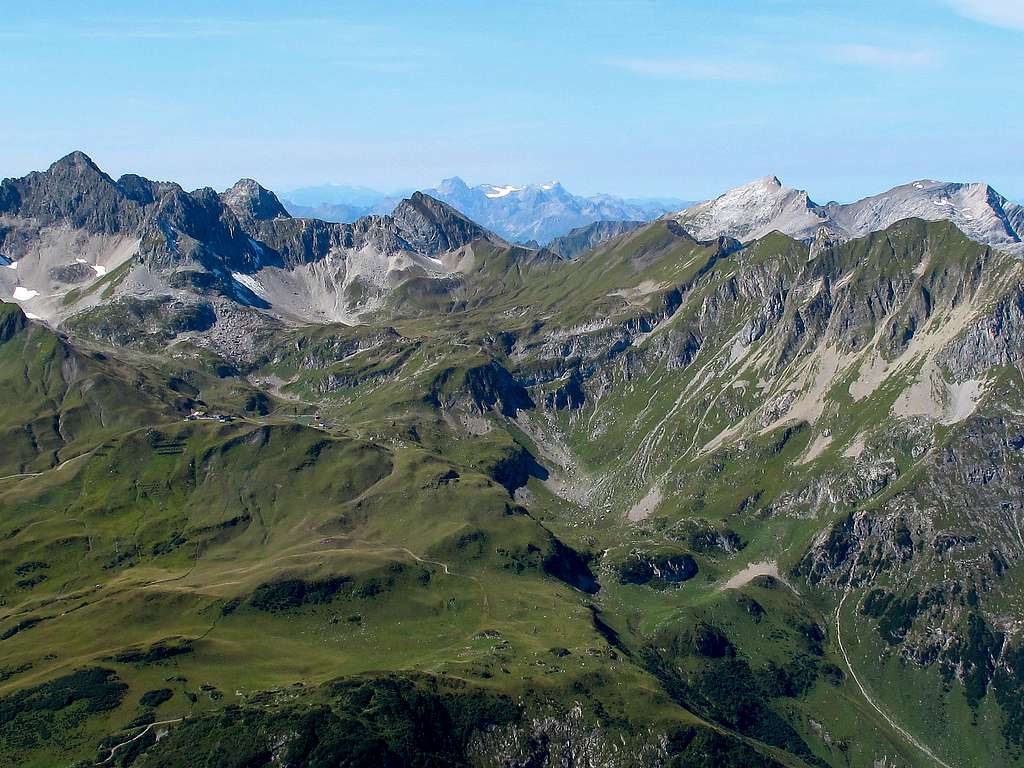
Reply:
x=632, y=97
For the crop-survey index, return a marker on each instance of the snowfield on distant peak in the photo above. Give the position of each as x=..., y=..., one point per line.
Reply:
x=501, y=191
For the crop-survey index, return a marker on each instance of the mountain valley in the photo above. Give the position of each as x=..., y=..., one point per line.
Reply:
x=735, y=485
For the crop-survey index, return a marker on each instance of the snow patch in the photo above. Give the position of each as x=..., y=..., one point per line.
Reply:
x=500, y=191
x=248, y=281
x=98, y=269
x=24, y=294
x=257, y=249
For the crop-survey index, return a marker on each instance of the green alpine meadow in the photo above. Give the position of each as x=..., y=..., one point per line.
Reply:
x=287, y=492
x=535, y=384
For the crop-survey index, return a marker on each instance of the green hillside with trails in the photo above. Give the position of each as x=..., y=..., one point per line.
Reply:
x=671, y=503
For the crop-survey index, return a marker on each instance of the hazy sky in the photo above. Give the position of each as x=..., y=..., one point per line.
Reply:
x=843, y=98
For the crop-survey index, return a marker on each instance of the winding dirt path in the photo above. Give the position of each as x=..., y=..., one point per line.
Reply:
x=57, y=468
x=867, y=697
x=136, y=737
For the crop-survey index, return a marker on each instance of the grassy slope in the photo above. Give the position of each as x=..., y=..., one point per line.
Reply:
x=167, y=529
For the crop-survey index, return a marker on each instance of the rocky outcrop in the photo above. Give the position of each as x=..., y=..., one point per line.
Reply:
x=73, y=192
x=659, y=572
x=431, y=227
x=12, y=320
x=486, y=387
x=565, y=739
x=251, y=202
x=241, y=245
x=133, y=322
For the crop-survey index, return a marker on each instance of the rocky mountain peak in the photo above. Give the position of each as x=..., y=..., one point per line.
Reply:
x=452, y=185
x=766, y=190
x=75, y=171
x=977, y=209
x=431, y=226
x=76, y=163
x=751, y=211
x=72, y=190
x=251, y=201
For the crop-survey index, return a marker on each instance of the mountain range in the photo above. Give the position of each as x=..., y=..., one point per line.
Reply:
x=535, y=213
x=736, y=486
x=765, y=205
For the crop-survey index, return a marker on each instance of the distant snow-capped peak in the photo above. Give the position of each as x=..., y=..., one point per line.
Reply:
x=540, y=211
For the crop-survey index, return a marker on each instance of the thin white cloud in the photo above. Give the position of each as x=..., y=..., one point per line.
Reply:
x=877, y=56
x=999, y=13
x=695, y=69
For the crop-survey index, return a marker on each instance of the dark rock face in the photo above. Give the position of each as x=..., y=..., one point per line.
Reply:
x=515, y=470
x=75, y=191
x=195, y=227
x=12, y=320
x=251, y=202
x=570, y=395
x=430, y=226
x=710, y=642
x=71, y=273
x=202, y=231
x=492, y=385
x=141, y=190
x=566, y=564
x=658, y=572
x=418, y=225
